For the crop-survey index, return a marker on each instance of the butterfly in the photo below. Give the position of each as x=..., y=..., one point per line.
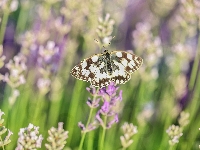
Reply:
x=101, y=69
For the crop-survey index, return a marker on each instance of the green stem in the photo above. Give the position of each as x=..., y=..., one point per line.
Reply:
x=195, y=66
x=73, y=108
x=38, y=107
x=90, y=140
x=194, y=72
x=22, y=19
x=3, y=26
x=84, y=133
x=2, y=142
x=88, y=121
x=103, y=134
x=171, y=148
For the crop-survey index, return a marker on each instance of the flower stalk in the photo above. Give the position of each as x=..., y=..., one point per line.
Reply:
x=89, y=118
x=103, y=134
x=3, y=26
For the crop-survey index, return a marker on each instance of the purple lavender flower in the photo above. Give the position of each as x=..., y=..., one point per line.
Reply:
x=93, y=103
x=92, y=126
x=110, y=100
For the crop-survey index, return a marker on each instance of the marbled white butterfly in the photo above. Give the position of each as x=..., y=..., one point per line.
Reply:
x=101, y=69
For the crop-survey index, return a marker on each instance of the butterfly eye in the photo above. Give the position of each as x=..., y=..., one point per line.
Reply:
x=105, y=51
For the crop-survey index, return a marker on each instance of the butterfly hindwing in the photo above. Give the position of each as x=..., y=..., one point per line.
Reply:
x=82, y=72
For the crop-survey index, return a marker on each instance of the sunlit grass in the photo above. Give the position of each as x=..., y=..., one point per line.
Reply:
x=160, y=104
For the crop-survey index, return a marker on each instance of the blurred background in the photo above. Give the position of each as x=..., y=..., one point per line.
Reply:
x=41, y=41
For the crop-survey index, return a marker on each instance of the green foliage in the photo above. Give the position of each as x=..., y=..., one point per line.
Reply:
x=160, y=103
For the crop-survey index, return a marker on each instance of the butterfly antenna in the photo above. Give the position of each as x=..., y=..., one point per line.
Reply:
x=96, y=40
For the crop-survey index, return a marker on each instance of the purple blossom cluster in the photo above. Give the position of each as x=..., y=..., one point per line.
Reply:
x=45, y=46
x=110, y=98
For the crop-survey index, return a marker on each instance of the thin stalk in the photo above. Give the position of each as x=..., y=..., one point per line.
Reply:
x=38, y=106
x=3, y=26
x=194, y=109
x=195, y=65
x=23, y=17
x=84, y=133
x=103, y=134
x=171, y=147
x=90, y=140
x=194, y=72
x=88, y=121
x=73, y=108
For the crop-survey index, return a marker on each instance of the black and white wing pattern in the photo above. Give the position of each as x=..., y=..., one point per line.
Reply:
x=101, y=69
x=93, y=70
x=124, y=64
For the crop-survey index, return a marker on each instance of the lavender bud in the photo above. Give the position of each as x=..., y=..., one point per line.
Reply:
x=174, y=132
x=29, y=138
x=57, y=138
x=184, y=119
x=128, y=131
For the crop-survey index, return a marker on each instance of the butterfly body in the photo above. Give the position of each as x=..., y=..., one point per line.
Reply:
x=101, y=69
x=108, y=62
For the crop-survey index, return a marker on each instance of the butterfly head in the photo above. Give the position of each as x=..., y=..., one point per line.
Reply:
x=105, y=51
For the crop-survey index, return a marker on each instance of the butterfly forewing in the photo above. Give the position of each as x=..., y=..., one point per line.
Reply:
x=131, y=62
x=124, y=64
x=101, y=69
x=93, y=70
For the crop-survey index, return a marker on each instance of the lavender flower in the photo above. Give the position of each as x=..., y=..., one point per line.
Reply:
x=17, y=66
x=93, y=103
x=2, y=57
x=180, y=57
x=184, y=119
x=15, y=78
x=29, y=138
x=184, y=20
x=8, y=6
x=178, y=62
x=43, y=50
x=110, y=107
x=44, y=62
x=3, y=129
x=1, y=113
x=91, y=125
x=105, y=29
x=57, y=138
x=128, y=131
x=174, y=132
x=110, y=100
x=109, y=110
x=149, y=47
